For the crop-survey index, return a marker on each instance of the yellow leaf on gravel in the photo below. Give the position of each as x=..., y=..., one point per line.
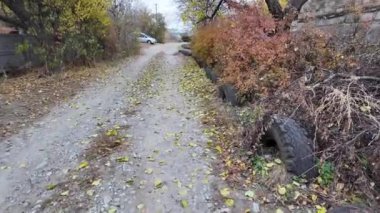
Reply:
x=270, y=165
x=96, y=182
x=183, y=192
x=158, y=184
x=140, y=206
x=90, y=192
x=321, y=209
x=111, y=133
x=279, y=211
x=314, y=198
x=278, y=161
x=250, y=194
x=296, y=195
x=112, y=210
x=83, y=165
x=65, y=193
x=229, y=202
x=219, y=149
x=149, y=171
x=225, y=192
x=51, y=186
x=184, y=203
x=281, y=190
x=122, y=159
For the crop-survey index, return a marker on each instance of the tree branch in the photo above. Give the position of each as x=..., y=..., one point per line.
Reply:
x=11, y=21
x=216, y=9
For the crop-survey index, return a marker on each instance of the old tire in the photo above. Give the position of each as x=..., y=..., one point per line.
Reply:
x=199, y=62
x=186, y=52
x=228, y=93
x=207, y=72
x=349, y=209
x=295, y=146
x=211, y=74
x=221, y=94
x=186, y=46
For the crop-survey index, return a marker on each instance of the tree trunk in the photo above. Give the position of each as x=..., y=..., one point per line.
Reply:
x=296, y=4
x=275, y=9
x=288, y=15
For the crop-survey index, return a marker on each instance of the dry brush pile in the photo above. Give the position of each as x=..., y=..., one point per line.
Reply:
x=332, y=89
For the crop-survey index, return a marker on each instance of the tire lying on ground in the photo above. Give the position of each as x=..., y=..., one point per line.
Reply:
x=221, y=94
x=186, y=46
x=228, y=93
x=186, y=52
x=211, y=74
x=296, y=148
x=349, y=209
x=207, y=72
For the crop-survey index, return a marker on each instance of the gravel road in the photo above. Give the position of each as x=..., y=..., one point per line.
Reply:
x=129, y=144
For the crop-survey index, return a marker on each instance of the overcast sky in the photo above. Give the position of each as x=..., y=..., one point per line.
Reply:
x=169, y=9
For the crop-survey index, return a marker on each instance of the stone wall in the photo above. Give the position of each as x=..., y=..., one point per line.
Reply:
x=342, y=17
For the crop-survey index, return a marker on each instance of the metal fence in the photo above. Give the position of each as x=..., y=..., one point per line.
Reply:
x=10, y=60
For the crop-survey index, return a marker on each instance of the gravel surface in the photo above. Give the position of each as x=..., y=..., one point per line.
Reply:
x=131, y=144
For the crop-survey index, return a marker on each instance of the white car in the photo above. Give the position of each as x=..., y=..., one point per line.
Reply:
x=144, y=38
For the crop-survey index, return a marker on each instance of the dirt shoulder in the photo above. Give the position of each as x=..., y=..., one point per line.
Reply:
x=26, y=97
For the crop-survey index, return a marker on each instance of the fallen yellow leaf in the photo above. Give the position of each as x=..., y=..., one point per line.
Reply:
x=184, y=203
x=229, y=202
x=96, y=182
x=158, y=183
x=83, y=165
x=281, y=190
x=225, y=192
x=122, y=159
x=314, y=197
x=65, y=193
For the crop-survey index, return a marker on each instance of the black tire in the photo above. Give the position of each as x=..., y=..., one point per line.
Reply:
x=186, y=46
x=199, y=62
x=231, y=95
x=296, y=148
x=186, y=52
x=208, y=72
x=349, y=209
x=221, y=92
x=213, y=76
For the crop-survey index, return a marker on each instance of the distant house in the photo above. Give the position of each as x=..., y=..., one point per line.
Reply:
x=5, y=29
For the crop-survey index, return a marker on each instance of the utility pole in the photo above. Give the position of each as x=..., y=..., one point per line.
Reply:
x=156, y=12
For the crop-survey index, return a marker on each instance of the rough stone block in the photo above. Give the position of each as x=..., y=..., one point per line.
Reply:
x=377, y=17
x=367, y=17
x=373, y=34
x=352, y=18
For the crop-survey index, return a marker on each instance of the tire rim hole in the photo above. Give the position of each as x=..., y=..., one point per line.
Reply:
x=269, y=146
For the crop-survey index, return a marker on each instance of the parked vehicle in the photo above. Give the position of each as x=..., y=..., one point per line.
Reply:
x=144, y=38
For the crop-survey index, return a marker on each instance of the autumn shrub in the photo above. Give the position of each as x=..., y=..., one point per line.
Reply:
x=205, y=42
x=332, y=90
x=251, y=58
